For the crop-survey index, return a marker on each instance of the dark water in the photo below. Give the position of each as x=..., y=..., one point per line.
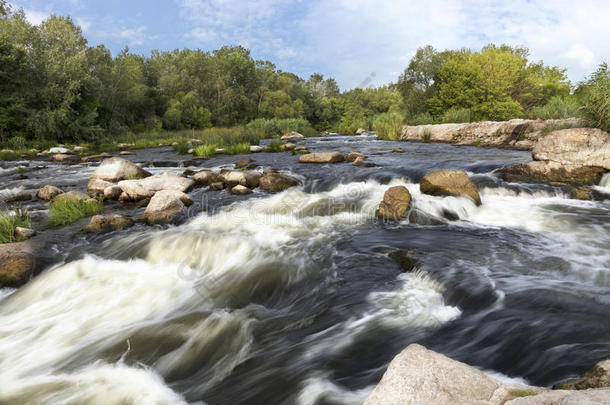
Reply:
x=299, y=297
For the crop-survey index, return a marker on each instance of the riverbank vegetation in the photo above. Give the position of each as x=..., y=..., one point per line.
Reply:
x=11, y=219
x=58, y=89
x=67, y=210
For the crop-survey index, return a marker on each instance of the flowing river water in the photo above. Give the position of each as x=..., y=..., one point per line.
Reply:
x=293, y=298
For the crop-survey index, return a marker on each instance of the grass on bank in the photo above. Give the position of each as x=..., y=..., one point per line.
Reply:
x=67, y=210
x=9, y=220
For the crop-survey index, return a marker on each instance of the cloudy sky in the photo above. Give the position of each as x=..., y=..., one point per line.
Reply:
x=358, y=42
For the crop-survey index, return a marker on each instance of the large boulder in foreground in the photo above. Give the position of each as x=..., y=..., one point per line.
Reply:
x=395, y=204
x=17, y=263
x=322, y=157
x=575, y=146
x=449, y=183
x=421, y=376
x=292, y=136
x=48, y=192
x=597, y=377
x=552, y=172
x=274, y=182
x=163, y=207
x=117, y=169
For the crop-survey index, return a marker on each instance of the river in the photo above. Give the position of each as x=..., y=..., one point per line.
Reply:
x=293, y=298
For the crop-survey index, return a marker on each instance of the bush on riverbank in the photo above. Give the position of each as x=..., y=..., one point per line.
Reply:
x=271, y=128
x=9, y=220
x=388, y=126
x=67, y=210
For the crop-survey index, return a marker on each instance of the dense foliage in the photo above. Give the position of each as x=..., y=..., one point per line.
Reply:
x=56, y=88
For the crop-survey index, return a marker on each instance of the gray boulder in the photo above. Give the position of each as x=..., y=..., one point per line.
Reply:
x=163, y=207
x=449, y=183
x=323, y=157
x=575, y=146
x=292, y=136
x=116, y=169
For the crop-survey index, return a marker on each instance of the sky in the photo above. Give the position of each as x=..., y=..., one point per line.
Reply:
x=358, y=42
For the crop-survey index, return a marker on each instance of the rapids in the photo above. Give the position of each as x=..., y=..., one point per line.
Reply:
x=292, y=298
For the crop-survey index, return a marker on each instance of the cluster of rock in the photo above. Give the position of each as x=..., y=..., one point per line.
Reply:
x=518, y=133
x=397, y=200
x=420, y=376
x=578, y=156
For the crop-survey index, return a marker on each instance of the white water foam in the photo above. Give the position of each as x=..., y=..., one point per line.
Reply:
x=319, y=388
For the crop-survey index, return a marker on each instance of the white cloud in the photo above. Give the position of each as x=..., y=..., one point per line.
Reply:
x=35, y=17
x=132, y=36
x=349, y=39
x=84, y=23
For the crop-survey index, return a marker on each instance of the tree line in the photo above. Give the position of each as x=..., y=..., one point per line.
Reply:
x=54, y=86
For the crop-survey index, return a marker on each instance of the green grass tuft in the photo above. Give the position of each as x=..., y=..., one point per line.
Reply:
x=237, y=149
x=67, y=210
x=522, y=393
x=205, y=150
x=274, y=147
x=9, y=221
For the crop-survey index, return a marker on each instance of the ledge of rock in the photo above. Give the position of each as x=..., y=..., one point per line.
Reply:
x=395, y=203
x=116, y=169
x=517, y=133
x=597, y=377
x=322, y=157
x=552, y=172
x=449, y=183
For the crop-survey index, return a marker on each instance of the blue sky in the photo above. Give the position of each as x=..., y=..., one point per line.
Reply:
x=355, y=41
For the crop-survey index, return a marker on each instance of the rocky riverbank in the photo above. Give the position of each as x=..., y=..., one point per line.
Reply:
x=517, y=134
x=419, y=376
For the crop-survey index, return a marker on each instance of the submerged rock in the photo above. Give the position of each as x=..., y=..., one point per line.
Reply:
x=395, y=204
x=18, y=198
x=363, y=163
x=163, y=207
x=552, y=172
x=291, y=136
x=116, y=169
x=449, y=183
x=597, y=377
x=403, y=259
x=398, y=150
x=48, y=192
x=274, y=182
x=112, y=221
x=322, y=157
x=243, y=161
x=352, y=156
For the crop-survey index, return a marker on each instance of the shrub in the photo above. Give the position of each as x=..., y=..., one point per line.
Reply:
x=596, y=106
x=557, y=107
x=456, y=115
x=181, y=148
x=69, y=209
x=269, y=128
x=205, y=150
x=9, y=221
x=9, y=155
x=275, y=146
x=422, y=119
x=388, y=126
x=426, y=136
x=238, y=149
x=17, y=143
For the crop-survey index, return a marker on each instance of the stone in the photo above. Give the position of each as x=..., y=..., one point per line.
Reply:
x=112, y=192
x=323, y=157
x=597, y=377
x=219, y=185
x=205, y=177
x=575, y=146
x=116, y=222
x=360, y=131
x=449, y=183
x=243, y=161
x=564, y=397
x=48, y=192
x=420, y=376
x=134, y=190
x=186, y=200
x=78, y=149
x=291, y=136
x=274, y=182
x=96, y=187
x=93, y=158
x=352, y=156
x=395, y=204
x=126, y=145
x=255, y=148
x=240, y=190
x=163, y=207
x=116, y=169
x=59, y=150
x=65, y=158
x=17, y=263
x=168, y=181
x=24, y=233
x=220, y=151
x=18, y=198
x=300, y=148
x=71, y=195
x=246, y=178
x=552, y=172
x=289, y=146
x=397, y=150
x=363, y=163
x=126, y=153
x=404, y=260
